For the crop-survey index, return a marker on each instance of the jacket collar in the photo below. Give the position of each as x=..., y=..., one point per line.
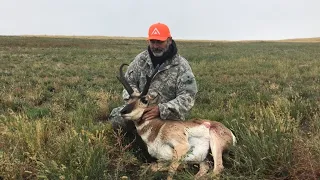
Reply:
x=166, y=65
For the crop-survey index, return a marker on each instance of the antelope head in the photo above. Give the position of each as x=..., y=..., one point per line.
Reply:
x=137, y=101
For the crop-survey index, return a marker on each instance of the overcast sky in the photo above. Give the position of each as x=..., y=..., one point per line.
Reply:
x=187, y=19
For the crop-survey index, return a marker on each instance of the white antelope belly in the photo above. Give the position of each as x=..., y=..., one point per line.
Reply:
x=199, y=147
x=198, y=142
x=198, y=150
x=160, y=151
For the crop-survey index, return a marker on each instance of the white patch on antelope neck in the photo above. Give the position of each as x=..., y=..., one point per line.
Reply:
x=145, y=135
x=145, y=123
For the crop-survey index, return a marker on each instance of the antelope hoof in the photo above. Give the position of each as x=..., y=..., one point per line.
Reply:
x=154, y=167
x=158, y=167
x=217, y=172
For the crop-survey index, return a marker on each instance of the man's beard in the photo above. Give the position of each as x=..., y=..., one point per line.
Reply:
x=158, y=52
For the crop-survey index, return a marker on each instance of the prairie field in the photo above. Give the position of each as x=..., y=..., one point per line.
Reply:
x=56, y=94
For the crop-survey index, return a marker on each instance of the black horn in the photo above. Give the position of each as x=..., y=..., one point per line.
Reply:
x=149, y=79
x=123, y=80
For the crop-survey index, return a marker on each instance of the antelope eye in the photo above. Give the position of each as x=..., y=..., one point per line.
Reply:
x=144, y=100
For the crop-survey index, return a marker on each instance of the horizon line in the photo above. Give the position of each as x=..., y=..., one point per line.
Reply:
x=303, y=39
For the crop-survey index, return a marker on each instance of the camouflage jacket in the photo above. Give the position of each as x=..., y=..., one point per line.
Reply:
x=174, y=86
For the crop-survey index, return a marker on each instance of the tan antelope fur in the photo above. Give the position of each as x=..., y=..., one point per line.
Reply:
x=177, y=141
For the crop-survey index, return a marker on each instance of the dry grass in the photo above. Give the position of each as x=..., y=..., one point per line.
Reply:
x=56, y=94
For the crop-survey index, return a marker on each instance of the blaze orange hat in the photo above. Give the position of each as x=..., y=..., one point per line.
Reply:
x=159, y=31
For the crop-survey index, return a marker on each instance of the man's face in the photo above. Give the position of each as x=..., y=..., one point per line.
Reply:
x=158, y=47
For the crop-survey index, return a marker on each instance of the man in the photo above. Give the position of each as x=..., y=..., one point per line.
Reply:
x=174, y=86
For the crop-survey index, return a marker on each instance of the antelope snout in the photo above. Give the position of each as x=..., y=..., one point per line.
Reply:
x=127, y=109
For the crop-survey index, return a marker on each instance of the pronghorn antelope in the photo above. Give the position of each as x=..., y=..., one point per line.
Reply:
x=176, y=141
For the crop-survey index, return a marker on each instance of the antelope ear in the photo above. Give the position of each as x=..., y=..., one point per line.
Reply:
x=150, y=98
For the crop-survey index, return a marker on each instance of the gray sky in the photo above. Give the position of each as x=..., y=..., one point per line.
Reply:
x=187, y=19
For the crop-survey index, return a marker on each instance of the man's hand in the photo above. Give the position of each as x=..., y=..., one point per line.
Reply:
x=151, y=113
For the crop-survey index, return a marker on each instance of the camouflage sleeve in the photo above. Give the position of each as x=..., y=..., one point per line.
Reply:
x=182, y=104
x=132, y=76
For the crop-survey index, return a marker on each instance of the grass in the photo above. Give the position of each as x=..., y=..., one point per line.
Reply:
x=56, y=94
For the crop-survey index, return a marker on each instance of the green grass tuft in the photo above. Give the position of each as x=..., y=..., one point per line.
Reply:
x=56, y=94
